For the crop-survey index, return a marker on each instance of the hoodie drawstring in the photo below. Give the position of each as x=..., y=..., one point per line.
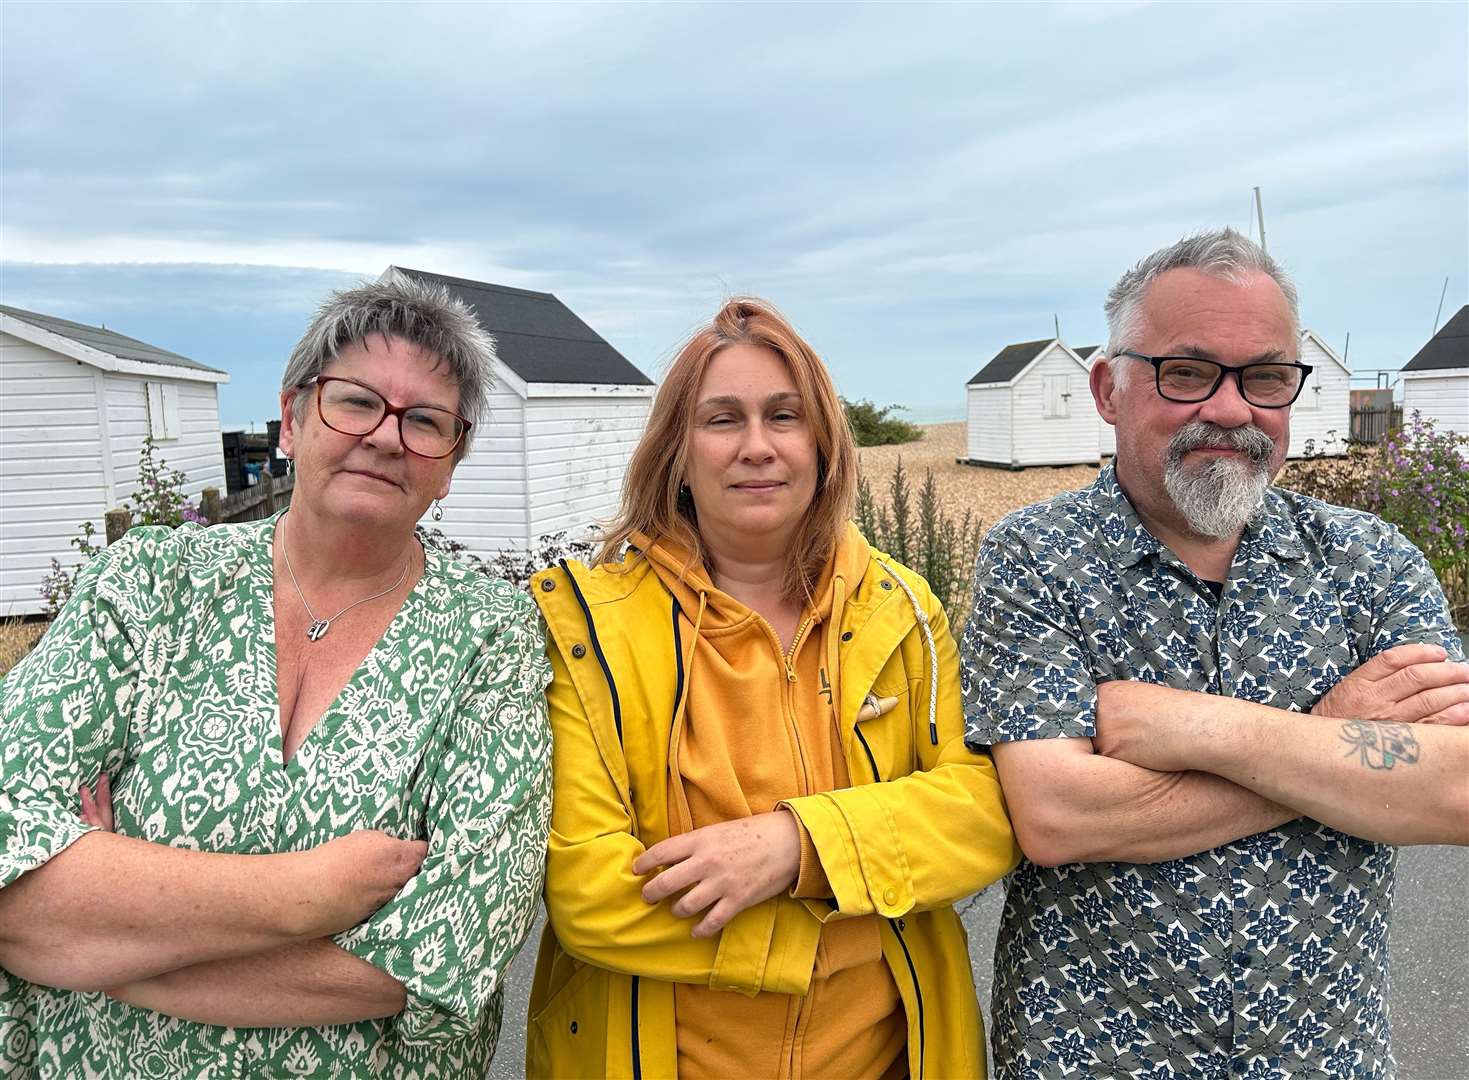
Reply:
x=933, y=655
x=685, y=815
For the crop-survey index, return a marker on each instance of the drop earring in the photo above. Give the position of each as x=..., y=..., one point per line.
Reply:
x=437, y=513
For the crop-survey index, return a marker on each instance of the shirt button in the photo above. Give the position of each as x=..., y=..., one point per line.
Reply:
x=890, y=895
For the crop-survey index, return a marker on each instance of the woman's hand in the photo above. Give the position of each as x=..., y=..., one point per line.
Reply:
x=344, y=881
x=732, y=866
x=97, y=807
x=347, y=879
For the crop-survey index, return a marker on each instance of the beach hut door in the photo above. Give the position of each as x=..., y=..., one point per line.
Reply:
x=1058, y=397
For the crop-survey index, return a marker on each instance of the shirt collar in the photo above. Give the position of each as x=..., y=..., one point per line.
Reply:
x=1271, y=529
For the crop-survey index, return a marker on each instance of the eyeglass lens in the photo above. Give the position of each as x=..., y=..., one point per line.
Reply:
x=1261, y=384
x=356, y=410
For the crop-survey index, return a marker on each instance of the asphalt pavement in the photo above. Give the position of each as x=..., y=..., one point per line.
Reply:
x=1430, y=968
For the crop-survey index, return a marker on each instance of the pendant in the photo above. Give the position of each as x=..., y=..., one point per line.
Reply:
x=317, y=630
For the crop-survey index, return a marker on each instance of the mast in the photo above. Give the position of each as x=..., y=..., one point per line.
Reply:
x=1260, y=212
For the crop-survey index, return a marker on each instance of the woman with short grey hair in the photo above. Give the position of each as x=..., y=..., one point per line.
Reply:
x=312, y=757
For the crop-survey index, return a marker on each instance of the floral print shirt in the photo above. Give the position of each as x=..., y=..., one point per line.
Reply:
x=1264, y=957
x=161, y=671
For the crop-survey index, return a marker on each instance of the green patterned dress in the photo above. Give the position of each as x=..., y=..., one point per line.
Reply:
x=162, y=670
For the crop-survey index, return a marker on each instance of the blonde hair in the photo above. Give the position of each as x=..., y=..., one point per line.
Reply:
x=651, y=496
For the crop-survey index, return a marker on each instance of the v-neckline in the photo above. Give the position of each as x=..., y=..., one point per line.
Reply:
x=275, y=745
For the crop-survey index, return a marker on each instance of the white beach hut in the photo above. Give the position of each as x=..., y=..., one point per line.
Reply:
x=1321, y=418
x=1030, y=405
x=1106, y=433
x=1436, y=380
x=76, y=402
x=564, y=415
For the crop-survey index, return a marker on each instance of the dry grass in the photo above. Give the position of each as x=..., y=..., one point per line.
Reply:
x=989, y=493
x=18, y=637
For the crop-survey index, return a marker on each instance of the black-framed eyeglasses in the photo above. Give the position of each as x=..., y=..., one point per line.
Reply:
x=1189, y=380
x=353, y=408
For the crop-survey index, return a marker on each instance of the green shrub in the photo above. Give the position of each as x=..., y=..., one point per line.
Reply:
x=940, y=547
x=874, y=426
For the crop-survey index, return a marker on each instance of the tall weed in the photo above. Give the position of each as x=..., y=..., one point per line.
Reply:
x=940, y=546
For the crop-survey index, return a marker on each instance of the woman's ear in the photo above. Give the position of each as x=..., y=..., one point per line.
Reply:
x=288, y=422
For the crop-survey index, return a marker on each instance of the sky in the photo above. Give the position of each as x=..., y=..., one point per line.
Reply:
x=915, y=185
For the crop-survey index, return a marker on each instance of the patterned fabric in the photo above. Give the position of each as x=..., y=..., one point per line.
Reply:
x=1264, y=957
x=161, y=669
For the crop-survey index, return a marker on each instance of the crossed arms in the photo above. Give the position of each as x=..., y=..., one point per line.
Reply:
x=1171, y=772
x=185, y=932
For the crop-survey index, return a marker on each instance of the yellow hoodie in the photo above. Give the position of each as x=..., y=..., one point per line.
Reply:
x=757, y=727
x=921, y=825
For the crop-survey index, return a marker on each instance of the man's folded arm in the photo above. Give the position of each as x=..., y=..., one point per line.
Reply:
x=1070, y=805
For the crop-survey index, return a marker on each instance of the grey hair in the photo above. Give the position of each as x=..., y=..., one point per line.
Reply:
x=418, y=312
x=1224, y=253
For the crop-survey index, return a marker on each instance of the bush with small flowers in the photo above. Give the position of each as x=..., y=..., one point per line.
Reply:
x=157, y=500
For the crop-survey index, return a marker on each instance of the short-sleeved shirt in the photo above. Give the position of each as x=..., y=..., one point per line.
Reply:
x=1264, y=957
x=161, y=670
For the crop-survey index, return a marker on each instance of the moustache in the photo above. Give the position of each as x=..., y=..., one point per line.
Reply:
x=1248, y=440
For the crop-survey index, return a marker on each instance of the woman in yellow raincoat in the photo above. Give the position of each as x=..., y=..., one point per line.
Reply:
x=764, y=807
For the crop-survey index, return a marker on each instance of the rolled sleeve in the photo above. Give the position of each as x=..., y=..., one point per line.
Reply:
x=65, y=707
x=1024, y=671
x=1412, y=608
x=452, y=931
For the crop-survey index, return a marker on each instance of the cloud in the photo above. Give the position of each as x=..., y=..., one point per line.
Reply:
x=915, y=184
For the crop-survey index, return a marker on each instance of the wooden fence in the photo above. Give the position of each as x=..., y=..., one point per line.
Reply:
x=252, y=504
x=1370, y=424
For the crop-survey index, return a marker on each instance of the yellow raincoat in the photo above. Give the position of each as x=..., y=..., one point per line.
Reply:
x=931, y=832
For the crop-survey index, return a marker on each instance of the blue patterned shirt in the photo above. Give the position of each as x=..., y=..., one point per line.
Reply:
x=1264, y=957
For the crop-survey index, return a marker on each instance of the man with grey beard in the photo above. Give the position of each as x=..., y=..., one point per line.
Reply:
x=1215, y=707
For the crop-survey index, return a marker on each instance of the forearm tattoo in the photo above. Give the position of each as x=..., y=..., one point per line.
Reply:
x=1380, y=746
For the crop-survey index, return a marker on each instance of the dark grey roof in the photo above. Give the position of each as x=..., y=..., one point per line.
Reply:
x=108, y=341
x=540, y=338
x=1449, y=348
x=1085, y=352
x=1009, y=362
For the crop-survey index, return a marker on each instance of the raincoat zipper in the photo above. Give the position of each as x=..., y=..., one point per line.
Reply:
x=897, y=925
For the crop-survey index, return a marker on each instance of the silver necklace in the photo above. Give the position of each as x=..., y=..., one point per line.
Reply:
x=318, y=628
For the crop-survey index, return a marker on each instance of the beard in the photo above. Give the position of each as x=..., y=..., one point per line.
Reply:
x=1217, y=499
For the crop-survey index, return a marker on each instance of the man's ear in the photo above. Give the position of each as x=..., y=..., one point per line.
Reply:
x=1105, y=391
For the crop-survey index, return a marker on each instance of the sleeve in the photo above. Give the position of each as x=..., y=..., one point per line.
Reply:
x=1025, y=672
x=64, y=708
x=1412, y=609
x=594, y=901
x=451, y=933
x=923, y=840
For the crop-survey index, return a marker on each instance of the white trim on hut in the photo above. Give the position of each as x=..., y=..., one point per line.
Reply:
x=1031, y=405
x=76, y=402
